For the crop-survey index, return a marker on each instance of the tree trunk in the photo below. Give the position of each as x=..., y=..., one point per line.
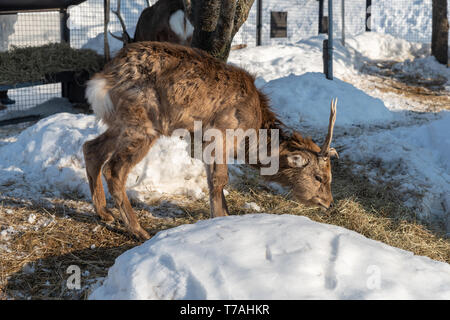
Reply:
x=439, y=42
x=215, y=23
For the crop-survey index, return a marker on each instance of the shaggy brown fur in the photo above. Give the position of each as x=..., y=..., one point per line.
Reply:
x=156, y=88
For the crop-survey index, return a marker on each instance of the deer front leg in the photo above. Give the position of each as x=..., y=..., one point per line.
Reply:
x=217, y=179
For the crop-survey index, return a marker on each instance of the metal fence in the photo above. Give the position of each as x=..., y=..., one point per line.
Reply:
x=30, y=29
x=294, y=20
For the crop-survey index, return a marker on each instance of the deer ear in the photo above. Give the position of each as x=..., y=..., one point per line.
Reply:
x=297, y=161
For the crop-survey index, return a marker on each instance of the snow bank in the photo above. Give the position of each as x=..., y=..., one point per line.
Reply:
x=306, y=55
x=305, y=100
x=407, y=19
x=418, y=157
x=379, y=46
x=271, y=257
x=47, y=160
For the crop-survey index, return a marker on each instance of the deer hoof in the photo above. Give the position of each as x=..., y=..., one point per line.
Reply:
x=141, y=234
x=106, y=216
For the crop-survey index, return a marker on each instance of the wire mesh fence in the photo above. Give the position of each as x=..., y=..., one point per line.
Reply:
x=30, y=29
x=86, y=21
x=282, y=21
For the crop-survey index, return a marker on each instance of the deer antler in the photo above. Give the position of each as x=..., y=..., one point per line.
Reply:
x=325, y=150
x=125, y=38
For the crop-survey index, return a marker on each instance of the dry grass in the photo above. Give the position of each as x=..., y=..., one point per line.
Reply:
x=76, y=236
x=427, y=91
x=30, y=64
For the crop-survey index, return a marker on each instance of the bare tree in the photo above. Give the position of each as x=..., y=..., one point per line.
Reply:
x=216, y=22
x=439, y=42
x=125, y=38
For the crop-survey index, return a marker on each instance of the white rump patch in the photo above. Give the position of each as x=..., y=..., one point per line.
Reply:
x=98, y=96
x=181, y=26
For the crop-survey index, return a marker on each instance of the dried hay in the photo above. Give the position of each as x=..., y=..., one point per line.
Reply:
x=34, y=64
x=75, y=236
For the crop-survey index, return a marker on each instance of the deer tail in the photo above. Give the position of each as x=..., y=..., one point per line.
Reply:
x=97, y=94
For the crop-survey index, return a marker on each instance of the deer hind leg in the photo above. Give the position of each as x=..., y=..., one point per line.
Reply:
x=217, y=179
x=96, y=152
x=134, y=145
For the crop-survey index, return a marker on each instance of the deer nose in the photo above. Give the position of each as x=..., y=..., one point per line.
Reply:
x=331, y=205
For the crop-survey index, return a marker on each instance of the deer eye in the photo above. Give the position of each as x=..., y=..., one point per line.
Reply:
x=318, y=178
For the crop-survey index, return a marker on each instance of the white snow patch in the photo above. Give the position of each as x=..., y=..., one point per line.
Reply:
x=416, y=156
x=47, y=160
x=380, y=46
x=305, y=100
x=265, y=256
x=252, y=206
x=31, y=218
x=96, y=43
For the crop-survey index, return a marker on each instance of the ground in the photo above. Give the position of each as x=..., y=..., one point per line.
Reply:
x=48, y=222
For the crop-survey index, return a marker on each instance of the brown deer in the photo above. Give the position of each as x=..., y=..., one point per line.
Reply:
x=164, y=21
x=153, y=88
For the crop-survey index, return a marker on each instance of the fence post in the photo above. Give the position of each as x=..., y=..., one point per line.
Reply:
x=343, y=21
x=368, y=15
x=106, y=9
x=65, y=38
x=65, y=31
x=320, y=16
x=330, y=41
x=258, y=22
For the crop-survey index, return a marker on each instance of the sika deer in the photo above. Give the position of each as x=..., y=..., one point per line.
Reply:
x=151, y=89
x=164, y=21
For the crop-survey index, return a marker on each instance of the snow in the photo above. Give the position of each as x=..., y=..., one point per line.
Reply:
x=380, y=46
x=44, y=109
x=96, y=43
x=305, y=100
x=252, y=206
x=416, y=156
x=261, y=256
x=47, y=160
x=408, y=19
x=272, y=62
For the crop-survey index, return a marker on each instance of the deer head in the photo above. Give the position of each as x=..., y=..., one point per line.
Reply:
x=306, y=167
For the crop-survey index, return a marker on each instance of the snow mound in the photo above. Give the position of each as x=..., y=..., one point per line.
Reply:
x=305, y=56
x=305, y=100
x=392, y=16
x=379, y=46
x=418, y=157
x=47, y=160
x=264, y=256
